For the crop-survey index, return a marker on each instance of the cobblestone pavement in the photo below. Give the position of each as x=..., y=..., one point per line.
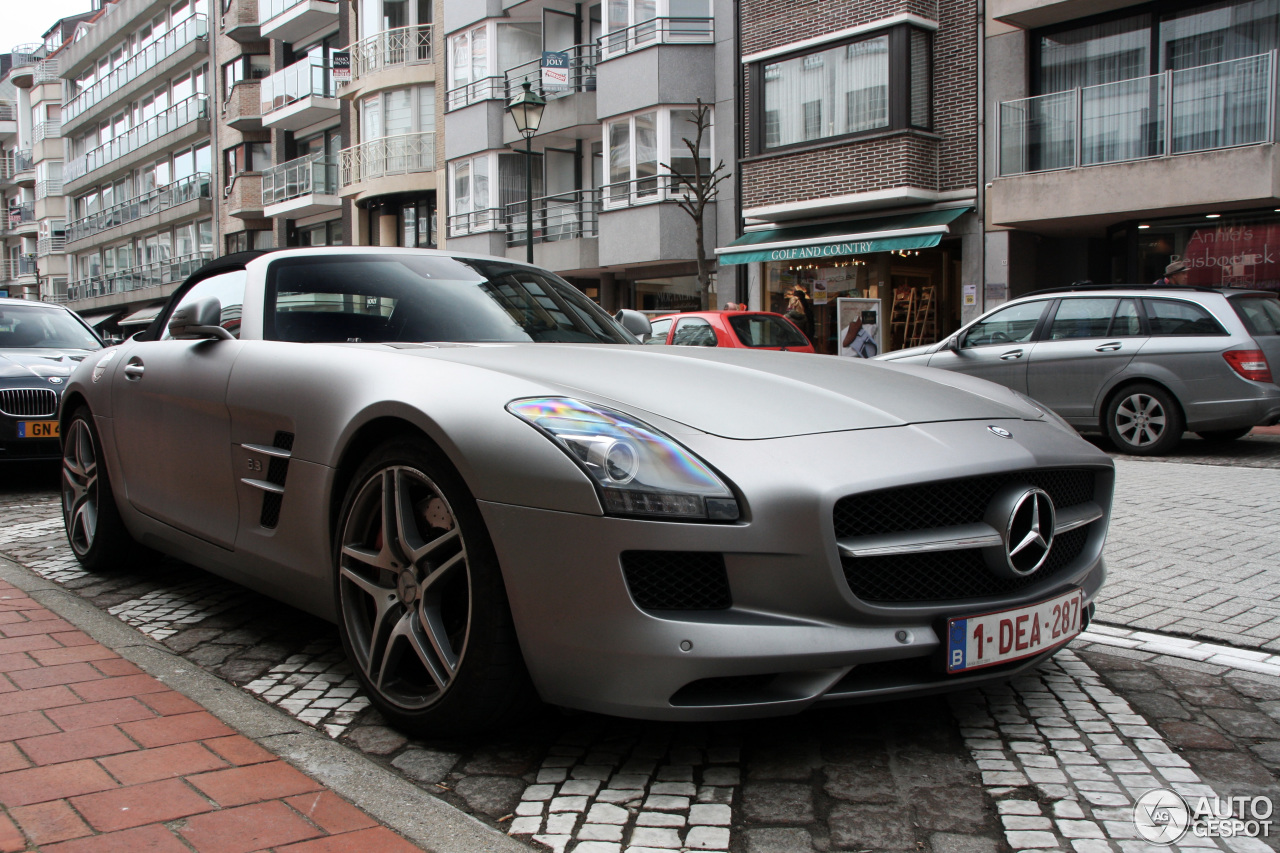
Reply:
x=1052, y=761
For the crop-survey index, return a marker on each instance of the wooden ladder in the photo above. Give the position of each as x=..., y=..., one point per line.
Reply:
x=924, y=323
x=900, y=316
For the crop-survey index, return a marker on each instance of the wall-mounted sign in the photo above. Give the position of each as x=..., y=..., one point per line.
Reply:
x=555, y=70
x=340, y=61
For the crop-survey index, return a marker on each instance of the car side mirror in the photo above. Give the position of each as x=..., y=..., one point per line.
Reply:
x=199, y=320
x=953, y=343
x=634, y=322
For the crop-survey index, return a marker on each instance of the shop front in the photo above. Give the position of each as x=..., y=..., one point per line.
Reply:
x=1221, y=250
x=904, y=272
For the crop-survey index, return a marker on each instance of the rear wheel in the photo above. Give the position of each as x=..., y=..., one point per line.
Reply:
x=1144, y=420
x=423, y=614
x=1224, y=434
x=95, y=531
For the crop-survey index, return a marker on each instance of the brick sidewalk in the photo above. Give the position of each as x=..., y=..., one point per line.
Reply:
x=96, y=756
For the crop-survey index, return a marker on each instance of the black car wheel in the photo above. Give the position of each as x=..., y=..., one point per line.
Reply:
x=423, y=612
x=1225, y=434
x=1144, y=420
x=95, y=531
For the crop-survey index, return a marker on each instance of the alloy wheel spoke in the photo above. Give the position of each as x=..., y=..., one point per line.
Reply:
x=431, y=645
x=407, y=537
x=385, y=600
x=86, y=521
x=406, y=633
x=441, y=572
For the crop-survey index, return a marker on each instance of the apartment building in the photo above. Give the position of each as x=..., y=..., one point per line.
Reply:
x=1124, y=136
x=608, y=146
x=139, y=173
x=33, y=231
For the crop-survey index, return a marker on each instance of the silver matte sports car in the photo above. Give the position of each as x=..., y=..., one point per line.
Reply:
x=493, y=490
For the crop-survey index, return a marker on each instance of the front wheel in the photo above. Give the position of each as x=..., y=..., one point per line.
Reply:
x=423, y=613
x=1144, y=420
x=95, y=531
x=1225, y=434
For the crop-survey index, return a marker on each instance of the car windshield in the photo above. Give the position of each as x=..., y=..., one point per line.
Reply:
x=34, y=327
x=425, y=298
x=766, y=330
x=1261, y=314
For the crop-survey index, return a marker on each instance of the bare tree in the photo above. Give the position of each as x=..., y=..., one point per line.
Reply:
x=696, y=192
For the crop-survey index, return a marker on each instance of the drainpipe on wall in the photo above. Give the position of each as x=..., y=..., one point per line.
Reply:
x=980, y=197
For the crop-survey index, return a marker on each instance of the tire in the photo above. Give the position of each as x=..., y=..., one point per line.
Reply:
x=422, y=610
x=1144, y=420
x=96, y=533
x=1225, y=434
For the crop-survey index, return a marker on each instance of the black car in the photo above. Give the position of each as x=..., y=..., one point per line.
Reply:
x=39, y=345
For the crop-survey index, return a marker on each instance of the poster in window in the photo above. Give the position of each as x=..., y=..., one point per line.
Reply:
x=859, y=324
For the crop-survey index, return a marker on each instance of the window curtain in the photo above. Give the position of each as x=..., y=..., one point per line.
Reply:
x=1098, y=53
x=841, y=90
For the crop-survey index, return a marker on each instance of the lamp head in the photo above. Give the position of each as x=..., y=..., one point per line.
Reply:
x=526, y=110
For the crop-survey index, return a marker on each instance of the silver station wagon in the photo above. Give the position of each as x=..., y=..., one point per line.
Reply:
x=1140, y=363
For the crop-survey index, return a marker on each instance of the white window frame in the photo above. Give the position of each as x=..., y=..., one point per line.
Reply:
x=422, y=121
x=477, y=219
x=474, y=88
x=663, y=188
x=636, y=36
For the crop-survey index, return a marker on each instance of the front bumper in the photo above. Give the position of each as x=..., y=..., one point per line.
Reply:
x=795, y=634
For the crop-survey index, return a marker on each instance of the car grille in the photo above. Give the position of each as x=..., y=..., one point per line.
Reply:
x=677, y=580
x=957, y=574
x=29, y=402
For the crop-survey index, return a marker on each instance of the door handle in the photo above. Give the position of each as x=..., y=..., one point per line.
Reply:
x=134, y=369
x=1011, y=355
x=1112, y=347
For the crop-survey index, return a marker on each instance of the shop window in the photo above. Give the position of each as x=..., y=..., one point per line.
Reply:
x=878, y=82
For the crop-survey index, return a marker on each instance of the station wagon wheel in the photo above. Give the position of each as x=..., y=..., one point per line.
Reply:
x=97, y=536
x=1144, y=420
x=423, y=614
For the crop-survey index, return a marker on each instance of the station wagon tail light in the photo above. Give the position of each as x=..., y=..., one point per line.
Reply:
x=637, y=470
x=1249, y=363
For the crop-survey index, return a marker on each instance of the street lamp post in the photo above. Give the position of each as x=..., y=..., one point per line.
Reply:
x=526, y=110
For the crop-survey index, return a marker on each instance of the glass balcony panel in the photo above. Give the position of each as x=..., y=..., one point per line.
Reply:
x=161, y=198
x=1221, y=105
x=179, y=115
x=316, y=174
x=154, y=274
x=1122, y=120
x=289, y=85
x=657, y=31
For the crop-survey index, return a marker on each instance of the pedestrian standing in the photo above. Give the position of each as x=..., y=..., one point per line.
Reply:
x=1175, y=275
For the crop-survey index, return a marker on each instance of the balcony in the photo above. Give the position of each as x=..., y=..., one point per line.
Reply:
x=6, y=168
x=21, y=269
x=243, y=199
x=1188, y=139
x=636, y=226
x=22, y=218
x=140, y=67
x=390, y=156
x=476, y=222
x=657, y=31
x=140, y=277
x=240, y=21
x=294, y=20
x=181, y=114
x=22, y=68
x=242, y=110
x=46, y=246
x=560, y=223
x=484, y=89
x=46, y=130
x=8, y=119
x=51, y=188
x=580, y=75
x=298, y=96
x=46, y=72
x=396, y=48
x=160, y=199
x=302, y=187
x=24, y=168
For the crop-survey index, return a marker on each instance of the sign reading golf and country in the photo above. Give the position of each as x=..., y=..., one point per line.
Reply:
x=555, y=70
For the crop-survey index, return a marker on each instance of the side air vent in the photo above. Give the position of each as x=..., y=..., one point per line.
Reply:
x=677, y=580
x=272, y=486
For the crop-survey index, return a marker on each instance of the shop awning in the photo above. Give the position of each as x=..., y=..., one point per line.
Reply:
x=143, y=316
x=921, y=230
x=97, y=318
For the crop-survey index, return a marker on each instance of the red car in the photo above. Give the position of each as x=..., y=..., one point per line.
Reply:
x=748, y=329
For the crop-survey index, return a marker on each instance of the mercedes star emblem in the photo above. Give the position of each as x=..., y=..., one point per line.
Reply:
x=1001, y=431
x=1024, y=517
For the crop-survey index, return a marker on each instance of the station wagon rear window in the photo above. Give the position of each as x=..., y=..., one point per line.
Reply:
x=1175, y=317
x=1260, y=314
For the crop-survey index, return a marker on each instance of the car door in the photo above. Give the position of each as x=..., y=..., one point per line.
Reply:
x=1184, y=349
x=1087, y=341
x=996, y=347
x=172, y=427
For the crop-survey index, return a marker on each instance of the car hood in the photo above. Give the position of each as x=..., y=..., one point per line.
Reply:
x=38, y=362
x=907, y=353
x=747, y=394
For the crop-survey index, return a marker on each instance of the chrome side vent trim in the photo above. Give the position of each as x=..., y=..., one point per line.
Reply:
x=278, y=454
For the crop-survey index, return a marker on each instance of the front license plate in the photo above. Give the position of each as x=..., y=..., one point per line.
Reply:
x=37, y=429
x=991, y=638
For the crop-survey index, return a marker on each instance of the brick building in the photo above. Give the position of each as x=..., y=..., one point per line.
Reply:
x=858, y=165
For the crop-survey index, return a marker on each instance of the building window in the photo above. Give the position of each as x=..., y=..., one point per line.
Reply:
x=249, y=67
x=479, y=203
x=875, y=83
x=245, y=157
x=478, y=56
x=647, y=154
x=245, y=241
x=378, y=16
x=321, y=234
x=634, y=24
x=397, y=112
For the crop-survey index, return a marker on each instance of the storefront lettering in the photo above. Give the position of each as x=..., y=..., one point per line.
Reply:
x=825, y=251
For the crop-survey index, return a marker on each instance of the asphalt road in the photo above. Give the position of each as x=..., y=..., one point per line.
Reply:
x=1052, y=761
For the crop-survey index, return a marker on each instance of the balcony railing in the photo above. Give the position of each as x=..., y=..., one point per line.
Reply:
x=13, y=268
x=141, y=63
x=300, y=80
x=161, y=198
x=390, y=155
x=138, y=277
x=316, y=174
x=581, y=74
x=179, y=115
x=25, y=54
x=50, y=246
x=6, y=167
x=484, y=89
x=49, y=188
x=46, y=130
x=22, y=161
x=268, y=9
x=475, y=222
x=47, y=71
x=657, y=31
x=391, y=48
x=7, y=111
x=1222, y=105
x=567, y=216
x=647, y=190
x=21, y=213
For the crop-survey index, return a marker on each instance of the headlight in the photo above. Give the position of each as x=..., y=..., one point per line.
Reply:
x=637, y=469
x=1050, y=415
